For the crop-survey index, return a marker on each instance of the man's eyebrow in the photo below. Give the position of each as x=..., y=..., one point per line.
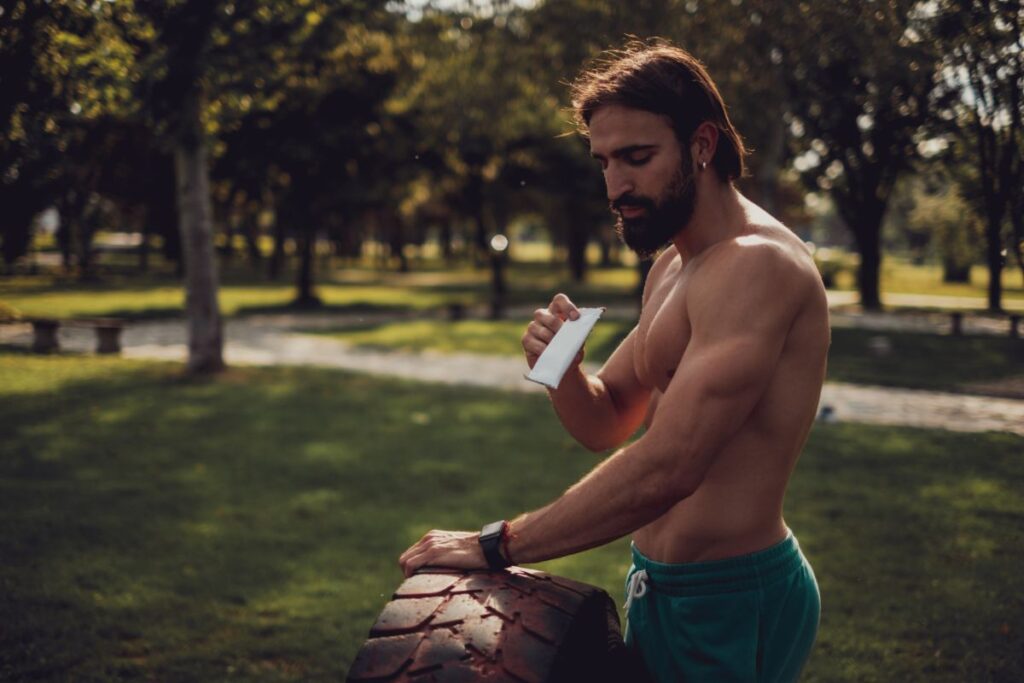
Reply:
x=623, y=151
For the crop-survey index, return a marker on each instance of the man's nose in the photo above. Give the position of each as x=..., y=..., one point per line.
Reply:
x=617, y=183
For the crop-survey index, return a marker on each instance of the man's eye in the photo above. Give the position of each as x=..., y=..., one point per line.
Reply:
x=638, y=160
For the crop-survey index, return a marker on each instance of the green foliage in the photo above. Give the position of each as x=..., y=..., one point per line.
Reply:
x=248, y=527
x=859, y=82
x=61, y=71
x=956, y=230
x=8, y=313
x=981, y=110
x=402, y=121
x=832, y=264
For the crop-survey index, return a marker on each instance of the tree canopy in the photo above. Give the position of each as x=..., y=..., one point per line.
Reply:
x=356, y=120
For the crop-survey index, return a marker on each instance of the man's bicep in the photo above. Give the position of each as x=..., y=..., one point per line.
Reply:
x=724, y=372
x=739, y=331
x=711, y=396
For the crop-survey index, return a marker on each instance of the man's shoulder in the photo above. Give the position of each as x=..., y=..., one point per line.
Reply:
x=764, y=263
x=767, y=252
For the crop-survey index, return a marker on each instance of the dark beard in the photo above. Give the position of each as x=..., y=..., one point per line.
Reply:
x=664, y=217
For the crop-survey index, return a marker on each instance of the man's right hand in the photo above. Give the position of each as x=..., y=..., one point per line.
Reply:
x=546, y=322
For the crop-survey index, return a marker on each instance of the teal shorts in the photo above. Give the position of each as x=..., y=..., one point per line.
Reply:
x=748, y=618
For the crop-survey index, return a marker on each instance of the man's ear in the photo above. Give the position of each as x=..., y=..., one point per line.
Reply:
x=704, y=143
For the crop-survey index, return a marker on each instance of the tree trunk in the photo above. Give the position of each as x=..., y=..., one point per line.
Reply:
x=994, y=258
x=144, y=242
x=396, y=238
x=307, y=242
x=955, y=272
x=1017, y=219
x=498, y=287
x=205, y=333
x=250, y=226
x=445, y=237
x=65, y=241
x=577, y=246
x=864, y=220
x=475, y=201
x=869, y=245
x=86, y=231
x=606, y=250
x=771, y=157
x=276, y=262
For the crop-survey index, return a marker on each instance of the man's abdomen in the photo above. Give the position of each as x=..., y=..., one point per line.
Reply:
x=736, y=510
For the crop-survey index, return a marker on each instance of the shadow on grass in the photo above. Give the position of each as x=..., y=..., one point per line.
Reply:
x=175, y=527
x=159, y=528
x=923, y=361
x=294, y=308
x=914, y=536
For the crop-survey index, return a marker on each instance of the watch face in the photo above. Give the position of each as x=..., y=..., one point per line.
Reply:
x=491, y=530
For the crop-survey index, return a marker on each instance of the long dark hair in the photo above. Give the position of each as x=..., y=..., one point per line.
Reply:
x=662, y=79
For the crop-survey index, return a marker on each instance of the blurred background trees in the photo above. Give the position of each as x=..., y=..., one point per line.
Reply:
x=314, y=128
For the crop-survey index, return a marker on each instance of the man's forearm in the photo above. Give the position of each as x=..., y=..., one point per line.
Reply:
x=587, y=411
x=627, y=491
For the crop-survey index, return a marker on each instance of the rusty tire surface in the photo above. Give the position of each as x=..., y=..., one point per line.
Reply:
x=516, y=625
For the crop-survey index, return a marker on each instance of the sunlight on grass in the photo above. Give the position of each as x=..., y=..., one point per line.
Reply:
x=430, y=284
x=501, y=338
x=924, y=361
x=255, y=534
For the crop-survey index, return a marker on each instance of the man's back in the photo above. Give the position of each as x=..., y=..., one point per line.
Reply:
x=737, y=507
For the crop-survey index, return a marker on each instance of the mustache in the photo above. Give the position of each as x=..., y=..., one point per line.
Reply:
x=632, y=201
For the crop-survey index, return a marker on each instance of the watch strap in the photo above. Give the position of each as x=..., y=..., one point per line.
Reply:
x=491, y=537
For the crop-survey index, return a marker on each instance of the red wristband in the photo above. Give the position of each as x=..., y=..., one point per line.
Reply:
x=506, y=537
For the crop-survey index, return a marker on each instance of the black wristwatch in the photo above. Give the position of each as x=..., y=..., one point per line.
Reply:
x=491, y=537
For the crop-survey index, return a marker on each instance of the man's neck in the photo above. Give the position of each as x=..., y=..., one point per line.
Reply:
x=719, y=215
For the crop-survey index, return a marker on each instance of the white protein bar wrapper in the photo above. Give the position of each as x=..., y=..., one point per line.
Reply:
x=553, y=363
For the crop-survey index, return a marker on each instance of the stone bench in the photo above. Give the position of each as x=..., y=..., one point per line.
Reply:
x=956, y=321
x=108, y=333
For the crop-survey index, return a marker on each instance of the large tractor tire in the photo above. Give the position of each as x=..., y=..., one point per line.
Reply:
x=516, y=625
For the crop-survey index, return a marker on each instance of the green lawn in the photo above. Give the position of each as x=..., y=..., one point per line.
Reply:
x=900, y=276
x=431, y=283
x=501, y=337
x=247, y=528
x=923, y=361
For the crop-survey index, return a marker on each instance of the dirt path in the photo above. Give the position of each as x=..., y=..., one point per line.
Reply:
x=271, y=340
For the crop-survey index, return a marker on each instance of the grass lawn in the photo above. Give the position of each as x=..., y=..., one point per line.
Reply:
x=430, y=286
x=246, y=528
x=431, y=283
x=922, y=361
x=488, y=337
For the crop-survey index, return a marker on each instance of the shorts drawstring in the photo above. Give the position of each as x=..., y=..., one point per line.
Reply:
x=637, y=588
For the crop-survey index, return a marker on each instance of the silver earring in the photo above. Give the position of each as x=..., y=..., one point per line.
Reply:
x=703, y=165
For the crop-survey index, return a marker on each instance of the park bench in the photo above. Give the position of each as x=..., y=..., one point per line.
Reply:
x=956, y=320
x=108, y=333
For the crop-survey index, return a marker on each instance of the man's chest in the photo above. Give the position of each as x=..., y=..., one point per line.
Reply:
x=662, y=333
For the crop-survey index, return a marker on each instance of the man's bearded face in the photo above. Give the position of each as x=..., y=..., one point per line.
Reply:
x=662, y=217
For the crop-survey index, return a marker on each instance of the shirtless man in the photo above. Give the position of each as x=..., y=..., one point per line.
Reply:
x=724, y=370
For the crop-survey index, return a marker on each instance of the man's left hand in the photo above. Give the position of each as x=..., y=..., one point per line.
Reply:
x=458, y=549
